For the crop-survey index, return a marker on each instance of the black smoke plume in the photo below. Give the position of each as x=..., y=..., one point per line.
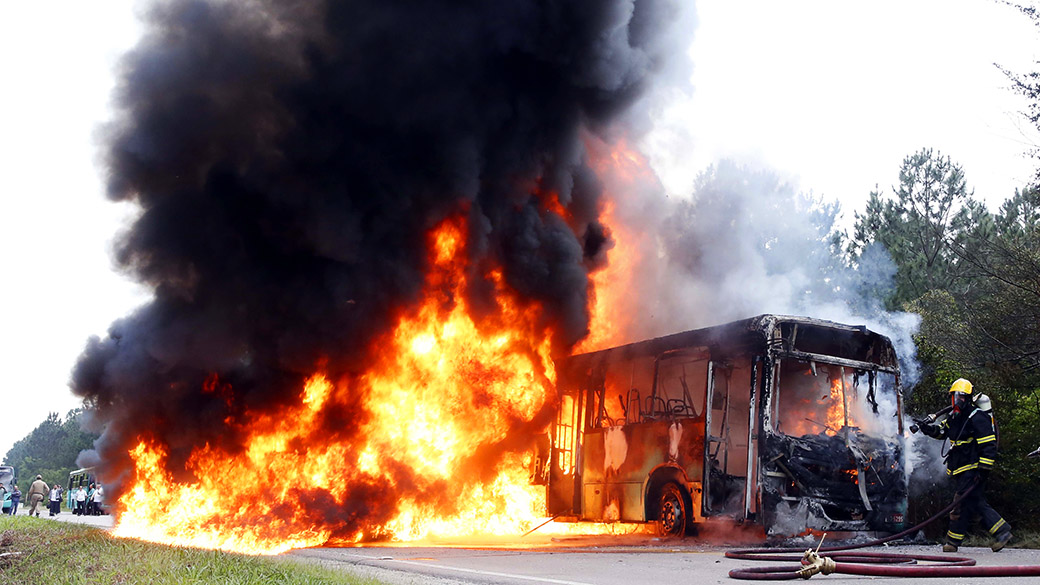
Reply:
x=289, y=159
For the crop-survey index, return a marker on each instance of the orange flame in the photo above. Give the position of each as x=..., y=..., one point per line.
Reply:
x=446, y=388
x=445, y=402
x=612, y=309
x=836, y=407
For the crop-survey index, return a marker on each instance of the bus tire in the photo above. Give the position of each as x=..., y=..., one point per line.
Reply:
x=671, y=511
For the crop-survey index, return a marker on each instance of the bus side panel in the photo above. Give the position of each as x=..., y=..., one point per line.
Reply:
x=618, y=460
x=614, y=501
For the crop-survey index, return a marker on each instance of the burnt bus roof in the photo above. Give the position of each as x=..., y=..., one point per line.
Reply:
x=796, y=334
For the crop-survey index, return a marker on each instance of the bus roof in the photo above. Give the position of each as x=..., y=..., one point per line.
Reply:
x=743, y=333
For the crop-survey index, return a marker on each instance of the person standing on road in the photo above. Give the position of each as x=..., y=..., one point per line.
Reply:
x=98, y=495
x=81, y=501
x=90, y=500
x=973, y=452
x=16, y=496
x=37, y=492
x=55, y=500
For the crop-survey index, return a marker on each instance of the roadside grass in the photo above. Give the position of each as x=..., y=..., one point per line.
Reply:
x=1019, y=539
x=1025, y=539
x=52, y=552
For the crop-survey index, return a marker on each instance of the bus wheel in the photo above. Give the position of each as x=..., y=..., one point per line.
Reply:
x=671, y=511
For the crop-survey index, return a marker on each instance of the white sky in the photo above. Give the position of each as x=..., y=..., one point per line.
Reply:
x=833, y=93
x=837, y=93
x=56, y=62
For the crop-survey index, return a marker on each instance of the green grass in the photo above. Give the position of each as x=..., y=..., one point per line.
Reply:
x=977, y=536
x=1025, y=539
x=1019, y=539
x=53, y=552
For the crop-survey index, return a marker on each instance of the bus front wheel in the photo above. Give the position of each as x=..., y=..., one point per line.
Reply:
x=671, y=511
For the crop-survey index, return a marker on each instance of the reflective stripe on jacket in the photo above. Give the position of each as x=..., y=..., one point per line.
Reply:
x=973, y=441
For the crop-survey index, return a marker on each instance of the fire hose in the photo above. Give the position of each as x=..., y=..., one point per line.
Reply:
x=869, y=563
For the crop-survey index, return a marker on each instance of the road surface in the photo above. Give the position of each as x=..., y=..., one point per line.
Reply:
x=573, y=562
x=612, y=560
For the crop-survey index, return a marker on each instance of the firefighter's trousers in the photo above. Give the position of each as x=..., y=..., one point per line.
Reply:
x=971, y=507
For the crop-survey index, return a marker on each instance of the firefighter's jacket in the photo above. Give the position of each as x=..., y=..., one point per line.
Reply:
x=973, y=441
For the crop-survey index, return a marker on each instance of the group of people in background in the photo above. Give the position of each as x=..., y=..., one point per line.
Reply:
x=85, y=501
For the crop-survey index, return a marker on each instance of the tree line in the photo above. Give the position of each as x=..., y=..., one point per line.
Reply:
x=50, y=450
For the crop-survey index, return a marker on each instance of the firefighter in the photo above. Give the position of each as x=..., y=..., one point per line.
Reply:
x=973, y=451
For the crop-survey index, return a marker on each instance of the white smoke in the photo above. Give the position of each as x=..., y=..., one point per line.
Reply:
x=745, y=243
x=925, y=464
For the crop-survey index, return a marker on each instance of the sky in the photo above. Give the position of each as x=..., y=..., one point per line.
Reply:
x=832, y=95
x=837, y=94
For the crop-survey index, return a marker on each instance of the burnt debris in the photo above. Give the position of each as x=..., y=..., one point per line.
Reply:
x=853, y=480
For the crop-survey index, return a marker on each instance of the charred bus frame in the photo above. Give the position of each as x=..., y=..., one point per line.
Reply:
x=789, y=422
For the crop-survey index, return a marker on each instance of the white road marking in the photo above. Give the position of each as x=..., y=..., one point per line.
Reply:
x=474, y=571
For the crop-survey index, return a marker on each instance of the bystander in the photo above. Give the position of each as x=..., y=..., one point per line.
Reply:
x=55, y=507
x=16, y=497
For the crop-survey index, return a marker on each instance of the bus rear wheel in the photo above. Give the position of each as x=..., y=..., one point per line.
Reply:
x=671, y=511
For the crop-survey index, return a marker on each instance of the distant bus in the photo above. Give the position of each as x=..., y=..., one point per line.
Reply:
x=7, y=480
x=81, y=477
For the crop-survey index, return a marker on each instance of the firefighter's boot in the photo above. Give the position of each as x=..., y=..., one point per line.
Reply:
x=949, y=547
x=1002, y=539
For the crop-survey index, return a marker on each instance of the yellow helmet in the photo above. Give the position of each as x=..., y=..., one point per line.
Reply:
x=961, y=385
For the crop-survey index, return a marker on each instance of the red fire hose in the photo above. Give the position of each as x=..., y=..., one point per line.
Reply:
x=869, y=563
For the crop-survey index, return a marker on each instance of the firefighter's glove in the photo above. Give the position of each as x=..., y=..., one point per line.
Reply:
x=983, y=475
x=931, y=430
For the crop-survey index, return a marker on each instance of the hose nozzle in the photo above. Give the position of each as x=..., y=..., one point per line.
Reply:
x=814, y=563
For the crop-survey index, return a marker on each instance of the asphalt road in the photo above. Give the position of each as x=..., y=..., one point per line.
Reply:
x=599, y=562
x=103, y=521
x=610, y=560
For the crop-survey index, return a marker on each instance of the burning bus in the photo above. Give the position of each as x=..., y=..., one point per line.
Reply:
x=772, y=420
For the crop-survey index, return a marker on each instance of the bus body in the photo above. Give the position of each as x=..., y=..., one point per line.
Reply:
x=788, y=422
x=7, y=479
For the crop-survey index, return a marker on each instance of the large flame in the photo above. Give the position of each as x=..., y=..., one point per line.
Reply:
x=446, y=388
x=612, y=307
x=446, y=398
x=449, y=387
